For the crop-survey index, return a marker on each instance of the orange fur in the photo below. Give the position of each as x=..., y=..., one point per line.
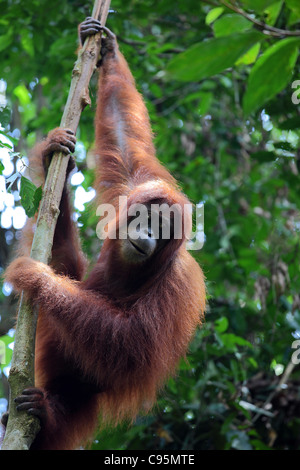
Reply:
x=107, y=345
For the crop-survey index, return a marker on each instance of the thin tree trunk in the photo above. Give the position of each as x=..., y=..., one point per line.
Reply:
x=21, y=428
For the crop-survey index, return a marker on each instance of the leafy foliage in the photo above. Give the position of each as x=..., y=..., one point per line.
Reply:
x=219, y=90
x=30, y=196
x=211, y=57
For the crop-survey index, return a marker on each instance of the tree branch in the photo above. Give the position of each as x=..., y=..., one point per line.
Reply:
x=263, y=27
x=21, y=428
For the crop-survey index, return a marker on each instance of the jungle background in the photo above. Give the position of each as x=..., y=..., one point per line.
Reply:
x=220, y=81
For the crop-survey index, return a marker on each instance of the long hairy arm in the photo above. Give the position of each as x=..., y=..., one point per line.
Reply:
x=107, y=337
x=124, y=139
x=67, y=256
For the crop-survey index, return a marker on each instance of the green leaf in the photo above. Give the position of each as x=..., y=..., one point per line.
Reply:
x=230, y=24
x=231, y=340
x=27, y=42
x=284, y=146
x=257, y=5
x=1, y=168
x=253, y=362
x=5, y=351
x=213, y=14
x=271, y=73
x=37, y=197
x=264, y=156
x=22, y=94
x=5, y=145
x=221, y=324
x=294, y=5
x=5, y=116
x=211, y=57
x=30, y=196
x=272, y=12
x=250, y=55
x=13, y=140
x=6, y=40
x=259, y=445
x=205, y=102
